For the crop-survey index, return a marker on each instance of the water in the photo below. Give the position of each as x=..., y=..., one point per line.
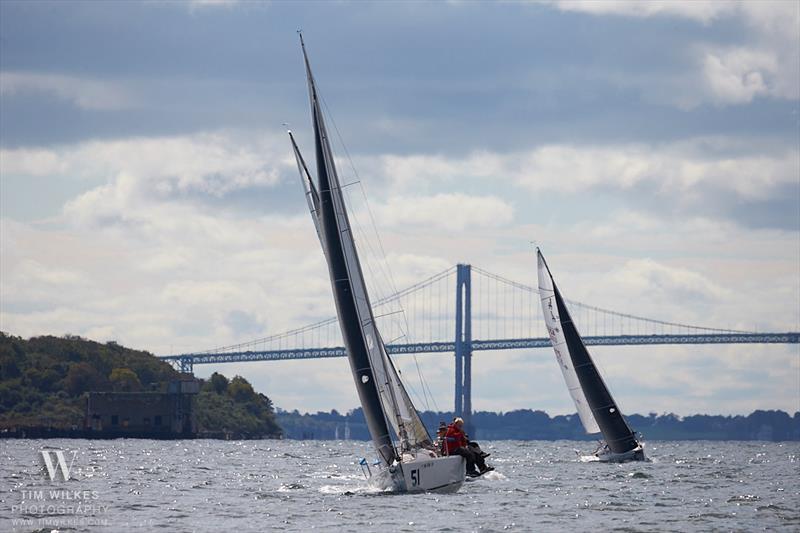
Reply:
x=204, y=485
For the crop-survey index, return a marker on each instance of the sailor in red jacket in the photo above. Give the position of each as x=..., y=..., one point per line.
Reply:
x=455, y=438
x=455, y=443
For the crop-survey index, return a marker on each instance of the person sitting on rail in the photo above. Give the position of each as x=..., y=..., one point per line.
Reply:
x=456, y=443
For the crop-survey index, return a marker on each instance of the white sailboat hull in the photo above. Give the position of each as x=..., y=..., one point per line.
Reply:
x=636, y=454
x=422, y=473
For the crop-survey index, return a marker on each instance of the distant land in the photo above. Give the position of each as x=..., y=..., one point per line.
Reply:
x=526, y=424
x=44, y=381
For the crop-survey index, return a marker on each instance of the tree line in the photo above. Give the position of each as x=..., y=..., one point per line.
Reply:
x=44, y=381
x=527, y=424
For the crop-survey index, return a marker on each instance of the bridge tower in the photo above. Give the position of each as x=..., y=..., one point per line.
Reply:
x=186, y=364
x=463, y=400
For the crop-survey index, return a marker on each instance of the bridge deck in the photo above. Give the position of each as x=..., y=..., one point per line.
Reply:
x=186, y=361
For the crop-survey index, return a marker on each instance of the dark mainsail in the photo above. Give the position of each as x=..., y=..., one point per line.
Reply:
x=616, y=432
x=352, y=302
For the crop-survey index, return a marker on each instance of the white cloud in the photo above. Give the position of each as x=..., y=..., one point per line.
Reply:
x=700, y=10
x=673, y=169
x=646, y=276
x=194, y=4
x=86, y=93
x=424, y=173
x=738, y=75
x=448, y=211
x=206, y=163
x=765, y=63
x=34, y=273
x=681, y=170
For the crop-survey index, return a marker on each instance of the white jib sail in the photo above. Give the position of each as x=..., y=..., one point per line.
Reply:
x=553, y=321
x=415, y=433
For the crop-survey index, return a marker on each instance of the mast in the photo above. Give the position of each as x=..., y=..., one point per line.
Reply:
x=602, y=413
x=347, y=281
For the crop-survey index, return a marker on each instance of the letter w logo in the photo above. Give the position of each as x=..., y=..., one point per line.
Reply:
x=62, y=463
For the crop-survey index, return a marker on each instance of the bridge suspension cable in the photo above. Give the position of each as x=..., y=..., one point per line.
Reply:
x=502, y=309
x=686, y=328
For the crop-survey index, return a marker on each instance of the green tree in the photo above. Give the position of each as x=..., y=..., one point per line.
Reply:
x=240, y=390
x=124, y=380
x=42, y=379
x=82, y=377
x=8, y=368
x=240, y=411
x=219, y=383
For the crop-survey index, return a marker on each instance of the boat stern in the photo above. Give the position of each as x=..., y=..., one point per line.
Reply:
x=433, y=474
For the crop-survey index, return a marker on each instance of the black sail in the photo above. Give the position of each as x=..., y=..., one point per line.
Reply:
x=352, y=302
x=616, y=431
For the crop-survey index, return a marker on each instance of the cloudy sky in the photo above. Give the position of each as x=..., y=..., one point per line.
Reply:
x=148, y=193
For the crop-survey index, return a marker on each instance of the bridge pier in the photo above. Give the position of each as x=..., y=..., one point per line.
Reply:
x=463, y=346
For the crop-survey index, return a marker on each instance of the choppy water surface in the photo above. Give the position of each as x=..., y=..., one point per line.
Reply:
x=206, y=485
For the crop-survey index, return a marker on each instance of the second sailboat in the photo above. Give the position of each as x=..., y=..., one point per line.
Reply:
x=596, y=408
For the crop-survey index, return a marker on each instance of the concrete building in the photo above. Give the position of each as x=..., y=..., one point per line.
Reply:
x=162, y=414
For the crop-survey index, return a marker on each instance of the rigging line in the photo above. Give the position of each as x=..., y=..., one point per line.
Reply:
x=374, y=280
x=423, y=383
x=389, y=313
x=410, y=386
x=426, y=386
x=390, y=276
x=395, y=339
x=366, y=246
x=366, y=200
x=367, y=241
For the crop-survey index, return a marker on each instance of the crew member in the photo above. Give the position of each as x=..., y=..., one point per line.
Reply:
x=440, y=439
x=456, y=444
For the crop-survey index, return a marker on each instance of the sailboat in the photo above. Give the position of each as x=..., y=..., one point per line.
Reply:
x=597, y=409
x=407, y=461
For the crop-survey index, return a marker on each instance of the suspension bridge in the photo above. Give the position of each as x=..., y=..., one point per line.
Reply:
x=486, y=312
